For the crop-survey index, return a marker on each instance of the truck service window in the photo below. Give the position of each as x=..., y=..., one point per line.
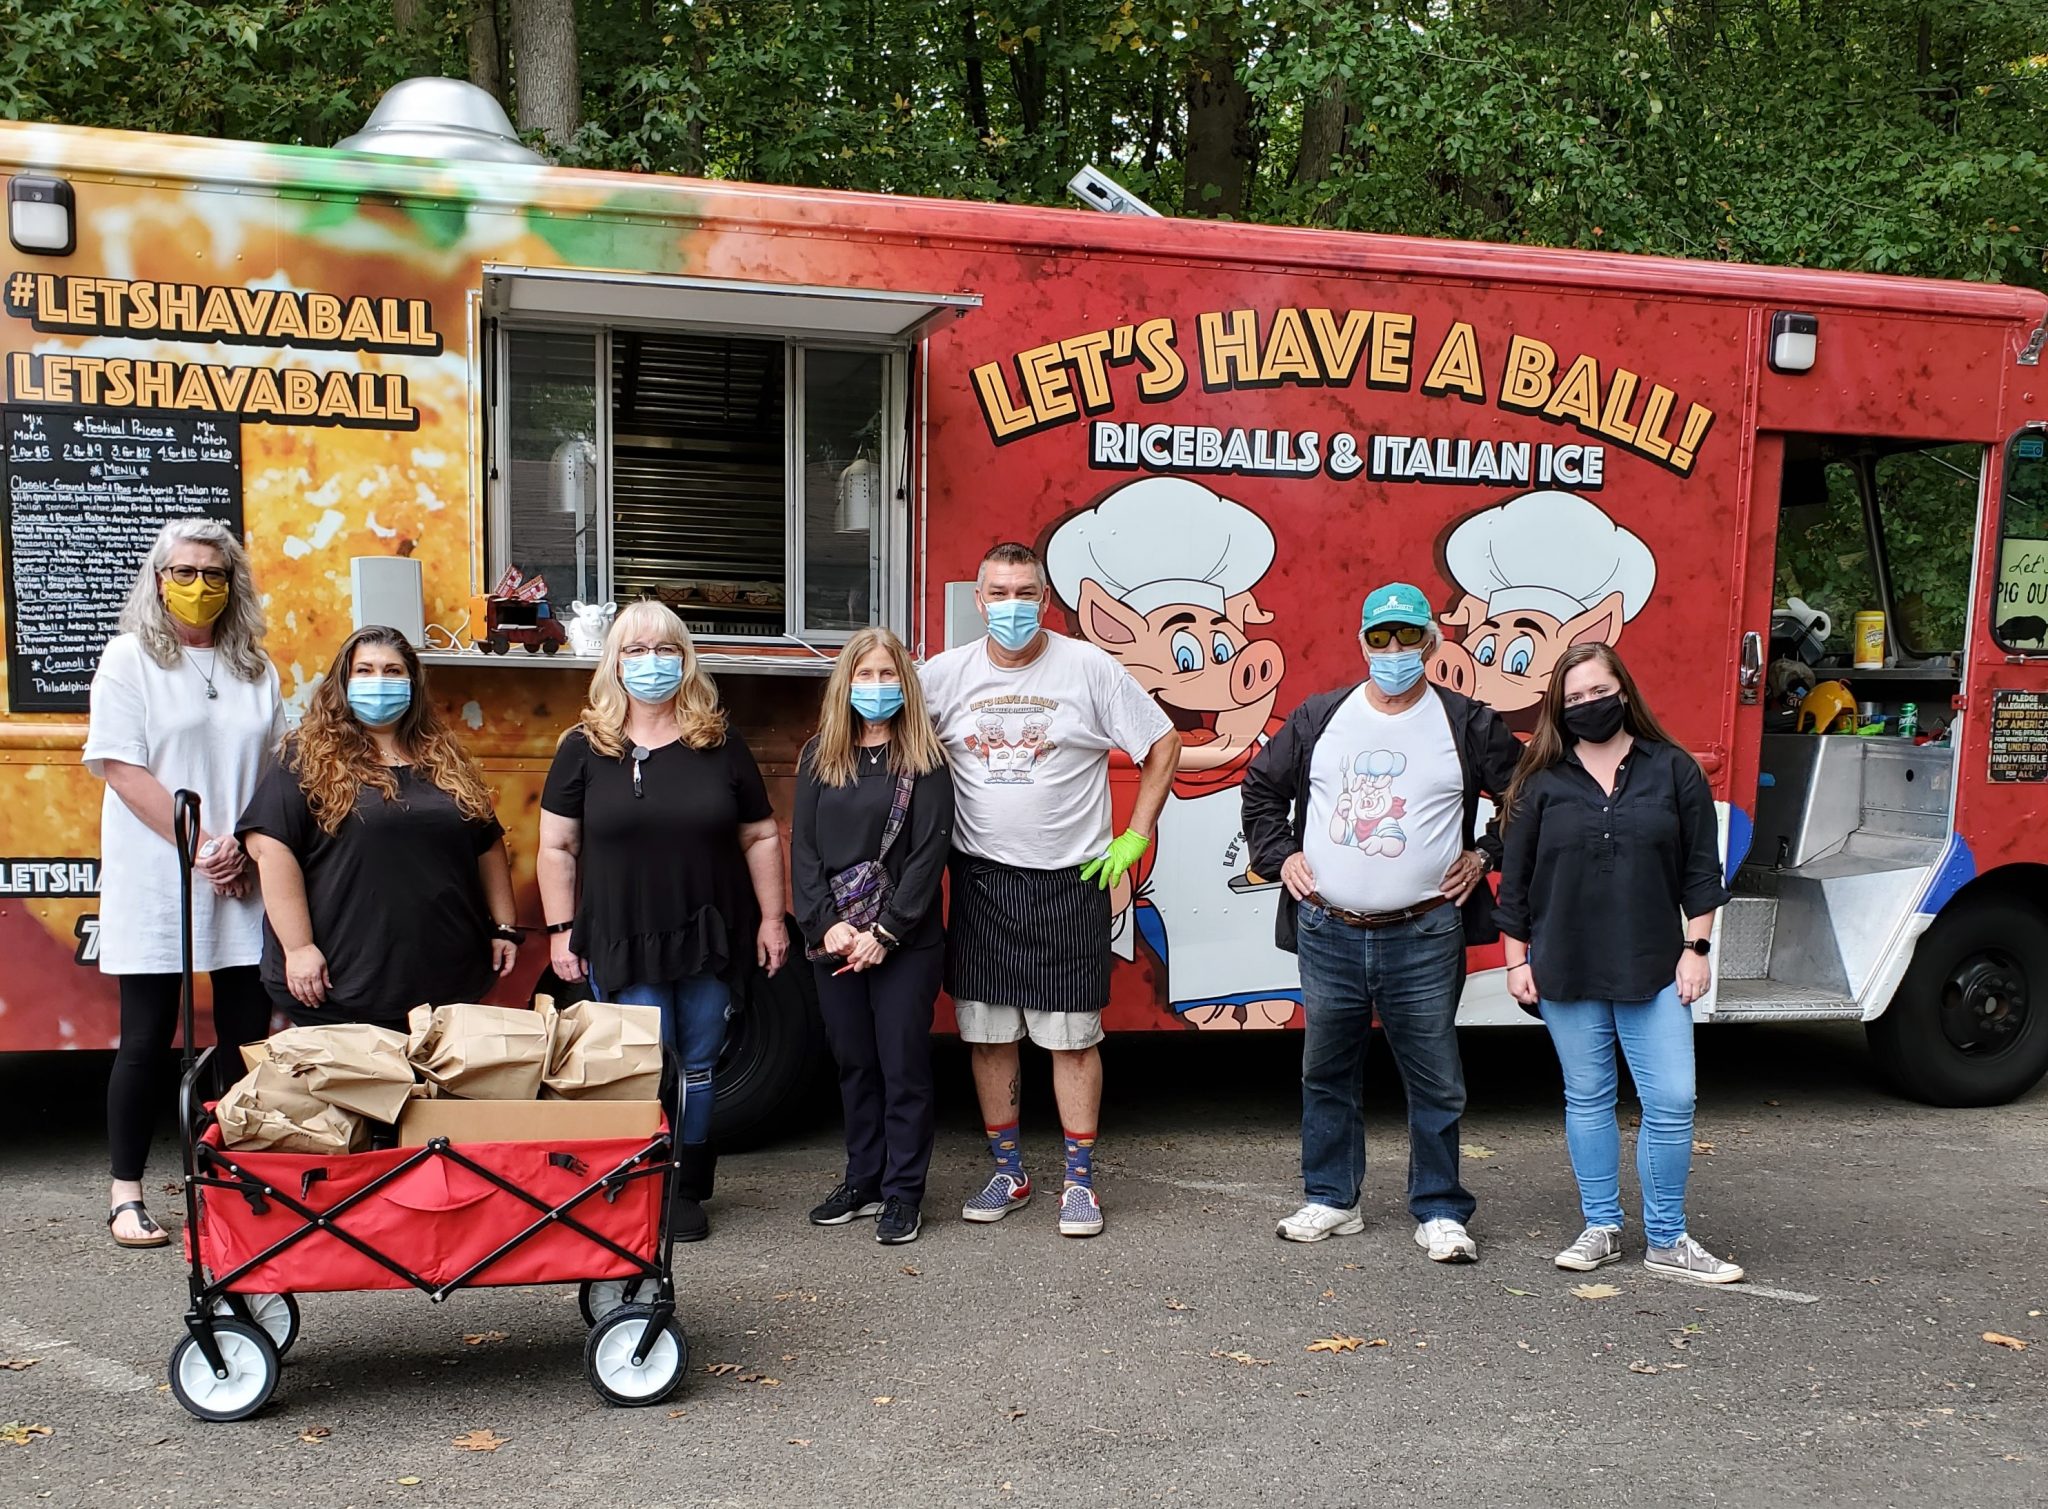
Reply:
x=2019, y=615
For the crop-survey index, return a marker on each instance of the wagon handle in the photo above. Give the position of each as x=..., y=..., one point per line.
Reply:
x=185, y=831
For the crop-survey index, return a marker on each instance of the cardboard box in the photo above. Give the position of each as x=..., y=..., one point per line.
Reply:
x=525, y=1120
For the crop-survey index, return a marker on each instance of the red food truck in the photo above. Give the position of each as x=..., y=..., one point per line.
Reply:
x=791, y=413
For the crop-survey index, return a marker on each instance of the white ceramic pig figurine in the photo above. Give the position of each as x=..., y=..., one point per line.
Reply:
x=586, y=627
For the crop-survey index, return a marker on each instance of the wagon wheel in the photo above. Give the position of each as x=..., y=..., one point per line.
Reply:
x=248, y=1376
x=600, y=1296
x=276, y=1314
x=497, y=644
x=548, y=647
x=608, y=1357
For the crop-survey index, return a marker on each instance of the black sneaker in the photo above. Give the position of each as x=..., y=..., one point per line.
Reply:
x=844, y=1204
x=900, y=1223
x=687, y=1221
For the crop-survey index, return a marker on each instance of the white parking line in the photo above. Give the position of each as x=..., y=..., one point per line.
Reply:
x=66, y=1357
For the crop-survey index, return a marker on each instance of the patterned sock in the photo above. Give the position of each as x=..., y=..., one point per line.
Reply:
x=1081, y=1159
x=1005, y=1147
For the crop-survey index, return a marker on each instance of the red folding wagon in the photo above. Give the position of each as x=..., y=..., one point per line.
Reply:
x=263, y=1228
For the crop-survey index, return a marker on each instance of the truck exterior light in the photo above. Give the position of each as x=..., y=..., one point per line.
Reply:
x=1795, y=340
x=40, y=215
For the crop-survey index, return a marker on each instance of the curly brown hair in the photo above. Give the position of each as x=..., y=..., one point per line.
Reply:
x=334, y=756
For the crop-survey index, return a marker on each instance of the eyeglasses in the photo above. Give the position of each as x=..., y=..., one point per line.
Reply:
x=665, y=651
x=185, y=576
x=1408, y=636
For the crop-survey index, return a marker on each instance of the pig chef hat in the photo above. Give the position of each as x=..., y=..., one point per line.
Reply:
x=1549, y=552
x=1161, y=540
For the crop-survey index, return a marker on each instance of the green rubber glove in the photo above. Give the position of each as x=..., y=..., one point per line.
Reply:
x=1125, y=850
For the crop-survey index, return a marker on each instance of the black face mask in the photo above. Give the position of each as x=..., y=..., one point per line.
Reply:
x=1594, y=722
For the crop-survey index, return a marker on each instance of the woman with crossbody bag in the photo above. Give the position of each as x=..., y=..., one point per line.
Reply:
x=874, y=824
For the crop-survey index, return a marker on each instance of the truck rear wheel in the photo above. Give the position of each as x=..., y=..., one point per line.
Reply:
x=775, y=1055
x=1969, y=1025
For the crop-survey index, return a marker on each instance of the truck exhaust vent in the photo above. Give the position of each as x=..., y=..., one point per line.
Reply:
x=442, y=120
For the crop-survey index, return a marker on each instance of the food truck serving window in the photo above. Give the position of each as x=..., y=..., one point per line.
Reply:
x=2019, y=615
x=737, y=450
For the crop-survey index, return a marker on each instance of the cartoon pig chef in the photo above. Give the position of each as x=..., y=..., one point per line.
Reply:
x=1160, y=574
x=1537, y=574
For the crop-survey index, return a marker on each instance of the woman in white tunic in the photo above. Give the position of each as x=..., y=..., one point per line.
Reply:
x=184, y=698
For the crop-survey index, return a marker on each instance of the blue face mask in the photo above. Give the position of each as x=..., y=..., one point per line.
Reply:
x=651, y=678
x=1013, y=623
x=379, y=700
x=878, y=701
x=1394, y=671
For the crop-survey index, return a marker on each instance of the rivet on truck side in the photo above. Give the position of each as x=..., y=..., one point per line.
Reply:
x=759, y=405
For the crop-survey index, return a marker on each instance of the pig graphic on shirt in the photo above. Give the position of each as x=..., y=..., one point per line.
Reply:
x=1161, y=575
x=1534, y=576
x=1368, y=815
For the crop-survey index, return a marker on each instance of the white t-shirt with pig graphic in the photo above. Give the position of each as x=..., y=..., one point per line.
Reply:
x=1029, y=748
x=1385, y=806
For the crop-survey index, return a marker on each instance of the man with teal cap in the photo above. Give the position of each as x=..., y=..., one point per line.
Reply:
x=1364, y=806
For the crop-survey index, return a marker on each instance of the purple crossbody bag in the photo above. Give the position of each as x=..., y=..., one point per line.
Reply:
x=859, y=892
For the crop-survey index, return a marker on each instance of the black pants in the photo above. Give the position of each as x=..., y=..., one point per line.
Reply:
x=879, y=1023
x=149, y=1021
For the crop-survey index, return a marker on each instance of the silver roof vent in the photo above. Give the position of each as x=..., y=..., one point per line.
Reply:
x=443, y=120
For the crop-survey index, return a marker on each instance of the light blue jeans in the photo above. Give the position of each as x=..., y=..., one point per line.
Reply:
x=693, y=1016
x=1656, y=1038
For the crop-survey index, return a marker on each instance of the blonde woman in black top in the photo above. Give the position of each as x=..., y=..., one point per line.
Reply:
x=873, y=788
x=1610, y=880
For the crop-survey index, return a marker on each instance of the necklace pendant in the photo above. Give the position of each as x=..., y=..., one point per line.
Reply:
x=211, y=694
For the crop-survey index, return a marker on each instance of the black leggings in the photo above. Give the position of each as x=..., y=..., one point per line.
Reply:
x=149, y=1022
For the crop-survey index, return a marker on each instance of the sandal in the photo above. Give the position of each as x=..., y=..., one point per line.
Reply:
x=153, y=1235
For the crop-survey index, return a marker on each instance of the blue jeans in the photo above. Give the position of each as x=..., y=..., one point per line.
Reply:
x=1410, y=975
x=1656, y=1037
x=693, y=1014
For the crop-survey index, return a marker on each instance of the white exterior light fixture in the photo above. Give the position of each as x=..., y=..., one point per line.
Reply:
x=41, y=216
x=1795, y=339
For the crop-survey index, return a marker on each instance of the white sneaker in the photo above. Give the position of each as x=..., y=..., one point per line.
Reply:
x=1596, y=1247
x=1448, y=1241
x=1687, y=1260
x=1314, y=1222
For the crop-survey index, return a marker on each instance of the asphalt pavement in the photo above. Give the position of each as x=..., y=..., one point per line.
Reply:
x=1173, y=1359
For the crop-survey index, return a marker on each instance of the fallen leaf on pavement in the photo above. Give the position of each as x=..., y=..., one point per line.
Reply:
x=720, y=1369
x=1243, y=1359
x=885, y=1399
x=1999, y=1340
x=1679, y=1343
x=1595, y=1291
x=799, y=1440
x=1335, y=1344
x=480, y=1440
x=1016, y=1414
x=14, y=1433
x=1329, y=1294
x=909, y=1270
x=313, y=1435
x=482, y=1338
x=408, y=1482
x=677, y=1414
x=1701, y=1145
x=1519, y=1293
x=1174, y=1304
x=1639, y=1366
x=1526, y=1347
x=1478, y=1150
x=23, y=1364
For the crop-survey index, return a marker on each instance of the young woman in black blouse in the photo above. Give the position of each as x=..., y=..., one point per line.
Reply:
x=1609, y=886
x=660, y=862
x=385, y=881
x=874, y=785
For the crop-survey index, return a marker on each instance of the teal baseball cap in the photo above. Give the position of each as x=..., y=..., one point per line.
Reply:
x=1395, y=603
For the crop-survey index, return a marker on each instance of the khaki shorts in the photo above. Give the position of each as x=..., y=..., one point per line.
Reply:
x=1059, y=1031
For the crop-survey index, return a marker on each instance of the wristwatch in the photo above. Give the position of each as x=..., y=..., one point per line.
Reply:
x=884, y=937
x=1700, y=946
x=560, y=927
x=508, y=932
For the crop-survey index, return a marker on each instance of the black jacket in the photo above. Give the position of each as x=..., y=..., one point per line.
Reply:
x=1276, y=791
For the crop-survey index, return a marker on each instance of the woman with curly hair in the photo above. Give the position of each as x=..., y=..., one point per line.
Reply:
x=385, y=881
x=184, y=697
x=660, y=861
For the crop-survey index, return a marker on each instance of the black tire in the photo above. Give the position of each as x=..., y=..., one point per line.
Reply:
x=774, y=1054
x=252, y=1373
x=497, y=644
x=1969, y=1024
x=607, y=1358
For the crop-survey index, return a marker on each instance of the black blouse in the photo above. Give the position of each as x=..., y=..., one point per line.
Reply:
x=1595, y=884
x=839, y=826
x=663, y=890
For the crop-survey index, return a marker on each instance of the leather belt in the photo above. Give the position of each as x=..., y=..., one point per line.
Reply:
x=1379, y=919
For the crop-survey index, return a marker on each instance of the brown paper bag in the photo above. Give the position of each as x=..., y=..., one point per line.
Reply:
x=352, y=1065
x=481, y=1052
x=267, y=1111
x=605, y=1052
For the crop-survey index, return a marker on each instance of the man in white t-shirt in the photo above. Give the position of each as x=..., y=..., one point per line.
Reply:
x=1364, y=806
x=1027, y=720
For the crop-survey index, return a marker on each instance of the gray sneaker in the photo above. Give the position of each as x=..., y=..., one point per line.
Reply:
x=1596, y=1247
x=1686, y=1259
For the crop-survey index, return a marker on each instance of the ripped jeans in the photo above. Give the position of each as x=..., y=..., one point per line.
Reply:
x=693, y=1016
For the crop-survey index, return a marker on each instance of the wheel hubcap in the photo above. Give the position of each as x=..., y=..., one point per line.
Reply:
x=244, y=1368
x=615, y=1363
x=1984, y=1004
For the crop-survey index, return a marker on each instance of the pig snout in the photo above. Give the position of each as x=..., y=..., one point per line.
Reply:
x=1255, y=671
x=1451, y=666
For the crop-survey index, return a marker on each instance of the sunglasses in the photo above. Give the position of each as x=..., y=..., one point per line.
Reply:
x=1407, y=636
x=185, y=576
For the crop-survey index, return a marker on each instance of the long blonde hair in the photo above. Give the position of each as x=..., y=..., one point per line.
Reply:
x=334, y=756
x=699, y=718
x=237, y=633
x=913, y=746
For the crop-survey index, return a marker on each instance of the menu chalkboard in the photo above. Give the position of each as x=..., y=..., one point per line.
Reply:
x=87, y=492
x=2019, y=736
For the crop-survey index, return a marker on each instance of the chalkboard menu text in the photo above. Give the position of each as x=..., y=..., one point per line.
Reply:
x=87, y=491
x=2019, y=736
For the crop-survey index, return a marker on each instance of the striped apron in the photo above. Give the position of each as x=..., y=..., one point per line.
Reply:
x=1034, y=939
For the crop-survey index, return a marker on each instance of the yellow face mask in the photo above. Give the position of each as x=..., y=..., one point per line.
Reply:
x=194, y=601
